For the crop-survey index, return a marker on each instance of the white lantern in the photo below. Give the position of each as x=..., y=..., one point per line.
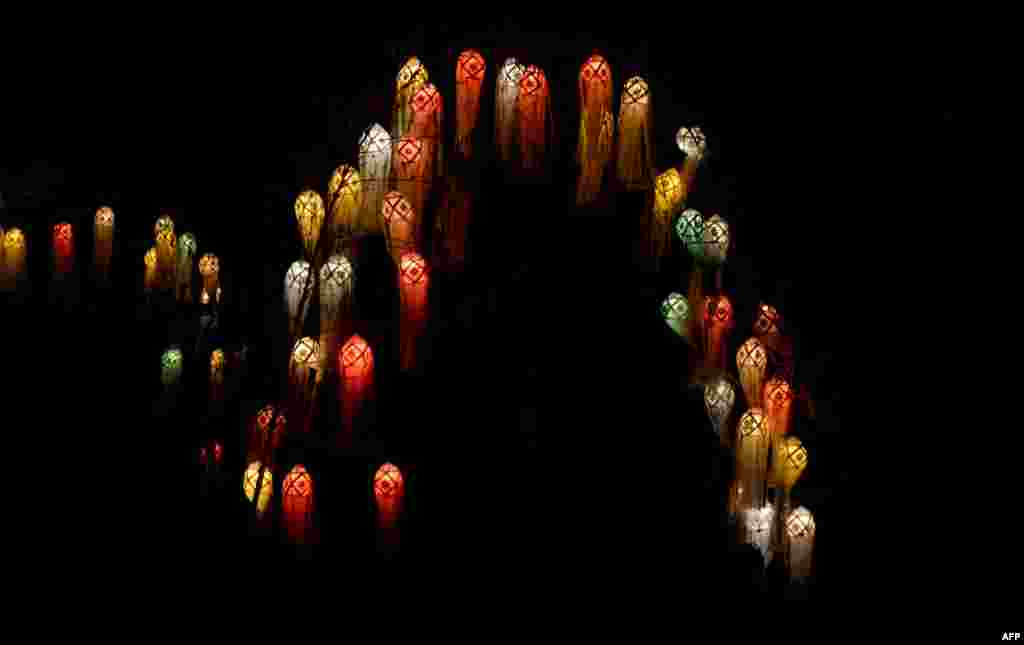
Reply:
x=298, y=290
x=506, y=118
x=374, y=170
x=337, y=284
x=800, y=534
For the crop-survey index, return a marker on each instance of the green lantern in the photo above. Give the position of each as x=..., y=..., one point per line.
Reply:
x=690, y=231
x=676, y=312
x=171, y=364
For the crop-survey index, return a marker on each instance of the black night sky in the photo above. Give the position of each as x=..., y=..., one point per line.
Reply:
x=549, y=437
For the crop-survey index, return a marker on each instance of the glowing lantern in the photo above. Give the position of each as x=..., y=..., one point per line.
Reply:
x=800, y=533
x=13, y=258
x=298, y=291
x=427, y=117
x=411, y=168
x=268, y=431
x=103, y=243
x=693, y=143
x=258, y=478
x=388, y=487
x=453, y=221
x=63, y=248
x=716, y=245
x=209, y=269
x=164, y=223
x=171, y=364
x=356, y=368
x=719, y=324
x=104, y=220
x=719, y=399
x=216, y=450
x=676, y=312
x=401, y=225
x=297, y=504
x=309, y=213
x=413, y=288
x=411, y=78
x=506, y=101
x=668, y=199
x=337, y=285
x=216, y=374
x=345, y=201
x=374, y=170
x=789, y=462
x=149, y=279
x=636, y=153
x=186, y=254
x=751, y=361
x=469, y=78
x=778, y=403
x=305, y=378
x=593, y=149
x=757, y=524
x=752, y=459
x=534, y=116
x=690, y=231
x=166, y=250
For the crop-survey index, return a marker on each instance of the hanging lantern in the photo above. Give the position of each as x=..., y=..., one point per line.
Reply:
x=217, y=362
x=534, y=115
x=185, y=261
x=103, y=243
x=267, y=433
x=427, y=115
x=778, y=403
x=374, y=171
x=690, y=231
x=675, y=311
x=104, y=220
x=789, y=462
x=693, y=143
x=164, y=223
x=388, y=489
x=356, y=366
x=593, y=149
x=166, y=251
x=716, y=245
x=751, y=361
x=297, y=504
x=305, y=378
x=768, y=322
x=469, y=78
x=209, y=269
x=13, y=258
x=758, y=524
x=800, y=531
x=719, y=399
x=401, y=225
x=63, y=249
x=257, y=477
x=719, y=325
x=636, y=152
x=337, y=287
x=506, y=107
x=309, y=213
x=411, y=169
x=668, y=199
x=453, y=221
x=345, y=200
x=149, y=279
x=413, y=290
x=171, y=365
x=752, y=459
x=411, y=78
x=298, y=291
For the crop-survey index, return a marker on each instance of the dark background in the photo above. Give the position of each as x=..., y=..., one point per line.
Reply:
x=549, y=435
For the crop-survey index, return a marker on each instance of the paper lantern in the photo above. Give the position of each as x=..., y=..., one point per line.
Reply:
x=13, y=258
x=104, y=220
x=719, y=399
x=267, y=433
x=166, y=252
x=305, y=377
x=778, y=404
x=184, y=265
x=470, y=70
x=14, y=239
x=298, y=291
x=172, y=363
x=401, y=225
x=506, y=108
x=258, y=477
x=217, y=367
x=636, y=151
x=800, y=531
x=297, y=504
x=209, y=270
x=427, y=120
x=668, y=199
x=149, y=279
x=719, y=324
x=309, y=214
x=534, y=107
x=692, y=143
x=345, y=202
x=337, y=287
x=164, y=223
x=690, y=231
x=675, y=311
x=599, y=153
x=63, y=248
x=413, y=290
x=453, y=221
x=355, y=361
x=757, y=524
x=215, y=449
x=374, y=171
x=788, y=463
x=768, y=321
x=752, y=447
x=388, y=487
x=411, y=78
x=751, y=361
x=595, y=88
x=411, y=168
x=716, y=240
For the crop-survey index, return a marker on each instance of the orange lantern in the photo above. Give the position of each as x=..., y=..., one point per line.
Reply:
x=297, y=504
x=411, y=78
x=401, y=225
x=534, y=116
x=719, y=323
x=427, y=118
x=469, y=77
x=149, y=279
x=209, y=269
x=413, y=289
x=166, y=252
x=778, y=404
x=217, y=375
x=388, y=489
x=636, y=152
x=13, y=258
x=103, y=242
x=356, y=368
x=411, y=168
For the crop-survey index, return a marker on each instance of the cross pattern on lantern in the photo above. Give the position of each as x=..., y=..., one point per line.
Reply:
x=396, y=205
x=636, y=91
x=375, y=140
x=674, y=306
x=105, y=216
x=532, y=81
x=691, y=140
x=345, y=180
x=298, y=483
x=62, y=232
x=413, y=71
x=512, y=72
x=779, y=391
x=795, y=455
x=163, y=223
x=14, y=239
x=167, y=239
x=768, y=320
x=413, y=268
x=669, y=185
x=752, y=424
x=596, y=68
x=337, y=272
x=388, y=481
x=716, y=237
x=309, y=208
x=427, y=99
x=800, y=523
x=356, y=350
x=719, y=396
x=471, y=66
x=409, y=149
x=306, y=352
x=718, y=308
x=209, y=265
x=298, y=276
x=751, y=354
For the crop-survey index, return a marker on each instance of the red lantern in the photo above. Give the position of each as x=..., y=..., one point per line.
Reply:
x=469, y=77
x=719, y=323
x=356, y=369
x=778, y=401
x=297, y=504
x=388, y=491
x=63, y=248
x=413, y=290
x=534, y=114
x=268, y=431
x=218, y=455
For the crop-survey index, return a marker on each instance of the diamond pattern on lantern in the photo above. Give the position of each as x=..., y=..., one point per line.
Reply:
x=356, y=353
x=718, y=308
x=345, y=180
x=209, y=265
x=163, y=223
x=306, y=352
x=716, y=238
x=409, y=149
x=62, y=232
x=15, y=239
x=751, y=354
x=674, y=306
x=412, y=72
x=388, y=481
x=309, y=207
x=471, y=65
x=636, y=91
x=752, y=424
x=670, y=185
x=800, y=522
x=778, y=391
x=413, y=268
x=396, y=205
x=691, y=141
x=532, y=81
x=337, y=272
x=375, y=140
x=187, y=244
x=105, y=216
x=719, y=397
x=167, y=239
x=596, y=68
x=298, y=483
x=512, y=72
x=426, y=99
x=265, y=416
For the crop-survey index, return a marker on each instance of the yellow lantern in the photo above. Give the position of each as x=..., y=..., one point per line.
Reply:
x=258, y=477
x=789, y=463
x=411, y=78
x=752, y=362
x=636, y=152
x=752, y=458
x=309, y=214
x=668, y=200
x=209, y=269
x=345, y=201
